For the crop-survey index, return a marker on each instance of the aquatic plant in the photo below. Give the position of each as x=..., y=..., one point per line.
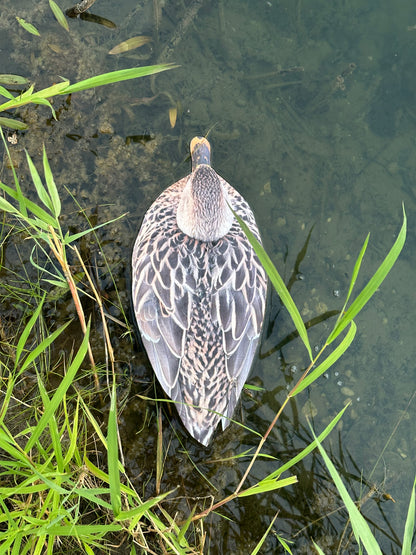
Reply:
x=30, y=96
x=361, y=530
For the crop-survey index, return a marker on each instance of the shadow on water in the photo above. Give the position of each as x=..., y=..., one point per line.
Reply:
x=310, y=111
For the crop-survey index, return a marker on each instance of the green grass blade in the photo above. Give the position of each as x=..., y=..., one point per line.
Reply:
x=13, y=450
x=39, y=97
x=59, y=393
x=43, y=102
x=19, y=194
x=362, y=532
x=43, y=219
x=64, y=87
x=93, y=422
x=116, y=77
x=6, y=206
x=40, y=189
x=355, y=273
x=28, y=26
x=53, y=428
x=410, y=524
x=100, y=474
x=330, y=360
x=41, y=347
x=71, y=238
x=62, y=284
x=268, y=485
x=300, y=456
x=4, y=92
x=13, y=124
x=59, y=14
x=284, y=544
x=14, y=541
x=112, y=453
x=50, y=183
x=12, y=79
x=318, y=549
x=263, y=538
x=143, y=508
x=184, y=528
x=72, y=449
x=53, y=90
x=278, y=284
x=26, y=332
x=93, y=495
x=373, y=284
x=83, y=530
x=27, y=92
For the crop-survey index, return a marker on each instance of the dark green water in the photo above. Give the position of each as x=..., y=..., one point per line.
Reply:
x=311, y=112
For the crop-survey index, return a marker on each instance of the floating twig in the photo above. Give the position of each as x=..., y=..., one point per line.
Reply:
x=157, y=15
x=181, y=29
x=58, y=250
x=79, y=8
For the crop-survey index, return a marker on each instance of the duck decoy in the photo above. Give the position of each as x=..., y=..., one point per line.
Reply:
x=199, y=294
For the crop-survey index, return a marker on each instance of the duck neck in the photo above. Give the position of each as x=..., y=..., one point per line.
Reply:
x=203, y=211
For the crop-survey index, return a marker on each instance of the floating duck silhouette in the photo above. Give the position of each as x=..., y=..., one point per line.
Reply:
x=199, y=294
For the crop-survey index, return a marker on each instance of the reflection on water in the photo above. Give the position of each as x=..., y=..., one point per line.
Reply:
x=310, y=110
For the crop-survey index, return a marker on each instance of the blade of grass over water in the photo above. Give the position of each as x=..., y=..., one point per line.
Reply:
x=59, y=14
x=318, y=549
x=278, y=284
x=373, y=284
x=16, y=181
x=6, y=206
x=50, y=183
x=4, y=92
x=64, y=88
x=13, y=124
x=42, y=218
x=11, y=79
x=355, y=273
x=68, y=239
x=268, y=484
x=263, y=538
x=28, y=26
x=53, y=429
x=300, y=456
x=362, y=532
x=116, y=77
x=329, y=361
x=40, y=189
x=26, y=332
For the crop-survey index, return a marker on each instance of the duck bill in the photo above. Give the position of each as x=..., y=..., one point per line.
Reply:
x=200, y=152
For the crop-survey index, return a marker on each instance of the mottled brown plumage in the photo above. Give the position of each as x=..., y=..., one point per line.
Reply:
x=199, y=294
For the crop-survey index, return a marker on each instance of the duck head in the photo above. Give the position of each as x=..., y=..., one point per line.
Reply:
x=203, y=210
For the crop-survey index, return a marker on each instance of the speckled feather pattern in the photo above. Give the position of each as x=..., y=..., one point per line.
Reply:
x=199, y=308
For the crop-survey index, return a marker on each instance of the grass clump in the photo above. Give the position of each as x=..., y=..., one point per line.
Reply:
x=55, y=490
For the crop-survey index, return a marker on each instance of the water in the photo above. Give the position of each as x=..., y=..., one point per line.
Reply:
x=311, y=114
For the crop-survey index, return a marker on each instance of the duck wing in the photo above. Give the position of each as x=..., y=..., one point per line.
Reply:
x=162, y=291
x=239, y=299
